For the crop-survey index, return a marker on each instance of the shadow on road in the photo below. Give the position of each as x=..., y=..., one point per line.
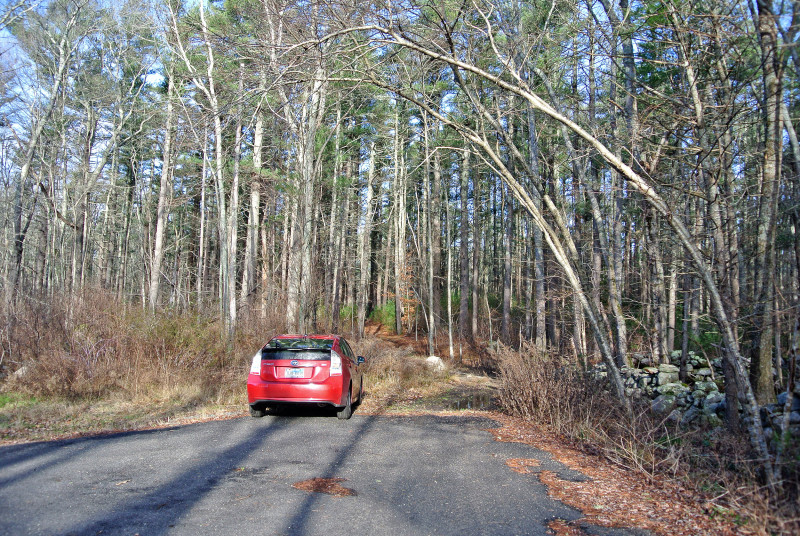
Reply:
x=55, y=452
x=163, y=506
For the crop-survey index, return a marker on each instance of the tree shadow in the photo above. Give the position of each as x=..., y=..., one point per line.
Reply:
x=28, y=452
x=159, y=509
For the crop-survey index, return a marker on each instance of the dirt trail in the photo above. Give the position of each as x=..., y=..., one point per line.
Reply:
x=376, y=329
x=461, y=388
x=467, y=357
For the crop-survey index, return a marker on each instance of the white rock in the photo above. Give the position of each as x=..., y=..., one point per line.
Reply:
x=435, y=362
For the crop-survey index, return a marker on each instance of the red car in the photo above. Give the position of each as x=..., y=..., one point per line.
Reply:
x=303, y=369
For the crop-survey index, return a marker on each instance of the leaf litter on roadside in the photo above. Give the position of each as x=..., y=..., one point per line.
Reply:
x=612, y=496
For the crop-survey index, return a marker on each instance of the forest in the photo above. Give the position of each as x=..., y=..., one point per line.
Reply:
x=607, y=181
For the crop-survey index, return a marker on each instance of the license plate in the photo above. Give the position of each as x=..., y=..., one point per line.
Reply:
x=295, y=373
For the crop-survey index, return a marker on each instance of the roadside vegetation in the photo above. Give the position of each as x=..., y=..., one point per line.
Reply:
x=558, y=397
x=98, y=365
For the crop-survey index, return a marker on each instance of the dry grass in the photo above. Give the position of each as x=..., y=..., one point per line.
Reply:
x=96, y=365
x=30, y=419
x=395, y=377
x=96, y=346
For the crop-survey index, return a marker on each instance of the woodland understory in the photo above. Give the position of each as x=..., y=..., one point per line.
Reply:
x=602, y=181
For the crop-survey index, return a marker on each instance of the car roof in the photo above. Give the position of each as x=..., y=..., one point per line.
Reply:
x=299, y=336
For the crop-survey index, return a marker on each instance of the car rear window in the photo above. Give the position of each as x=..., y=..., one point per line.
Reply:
x=318, y=349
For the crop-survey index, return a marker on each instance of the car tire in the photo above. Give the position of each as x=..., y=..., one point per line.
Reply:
x=347, y=411
x=257, y=412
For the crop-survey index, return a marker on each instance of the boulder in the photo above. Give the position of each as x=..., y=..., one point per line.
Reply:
x=691, y=415
x=776, y=423
x=672, y=389
x=768, y=412
x=711, y=420
x=667, y=377
x=795, y=400
x=663, y=403
x=630, y=382
x=667, y=373
x=712, y=402
x=675, y=416
x=435, y=363
x=708, y=387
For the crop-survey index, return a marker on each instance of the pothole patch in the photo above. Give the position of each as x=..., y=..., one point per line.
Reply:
x=330, y=486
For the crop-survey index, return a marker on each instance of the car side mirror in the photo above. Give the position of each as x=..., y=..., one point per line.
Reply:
x=360, y=359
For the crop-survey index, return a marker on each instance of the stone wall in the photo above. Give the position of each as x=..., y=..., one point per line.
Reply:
x=700, y=400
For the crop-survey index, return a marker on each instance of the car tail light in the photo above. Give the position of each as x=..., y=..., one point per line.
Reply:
x=336, y=364
x=255, y=366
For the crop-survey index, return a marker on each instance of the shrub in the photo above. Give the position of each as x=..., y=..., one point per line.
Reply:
x=390, y=368
x=97, y=345
x=385, y=315
x=347, y=312
x=546, y=389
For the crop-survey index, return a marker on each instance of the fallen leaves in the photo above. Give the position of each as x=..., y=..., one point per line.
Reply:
x=330, y=486
x=522, y=465
x=612, y=496
x=563, y=528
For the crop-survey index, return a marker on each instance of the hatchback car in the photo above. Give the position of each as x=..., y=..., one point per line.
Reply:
x=305, y=369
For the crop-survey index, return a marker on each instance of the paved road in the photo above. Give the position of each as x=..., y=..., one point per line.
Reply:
x=411, y=475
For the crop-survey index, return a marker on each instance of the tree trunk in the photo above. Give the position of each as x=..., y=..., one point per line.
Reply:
x=250, y=263
x=365, y=246
x=761, y=340
x=436, y=238
x=164, y=197
x=429, y=250
x=463, y=252
x=477, y=246
x=508, y=238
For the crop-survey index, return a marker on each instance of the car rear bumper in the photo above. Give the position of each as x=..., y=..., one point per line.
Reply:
x=263, y=392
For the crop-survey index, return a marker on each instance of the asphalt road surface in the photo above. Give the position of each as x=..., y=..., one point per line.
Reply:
x=409, y=475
